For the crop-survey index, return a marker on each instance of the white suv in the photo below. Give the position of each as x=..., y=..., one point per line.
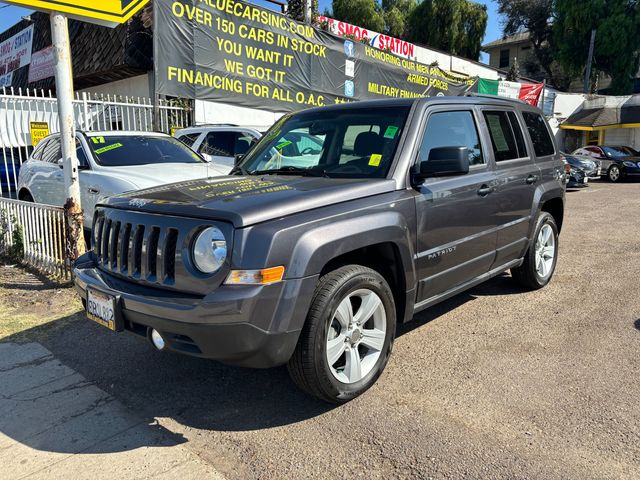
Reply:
x=219, y=143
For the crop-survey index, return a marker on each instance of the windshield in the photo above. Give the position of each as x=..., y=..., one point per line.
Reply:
x=127, y=150
x=619, y=151
x=354, y=143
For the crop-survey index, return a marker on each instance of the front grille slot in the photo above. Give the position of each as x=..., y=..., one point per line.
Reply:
x=152, y=254
x=123, y=249
x=113, y=245
x=106, y=234
x=136, y=260
x=169, y=255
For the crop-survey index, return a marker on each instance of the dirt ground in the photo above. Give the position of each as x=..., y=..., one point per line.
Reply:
x=29, y=300
x=494, y=383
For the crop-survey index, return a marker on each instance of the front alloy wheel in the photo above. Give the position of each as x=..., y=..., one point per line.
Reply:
x=356, y=336
x=614, y=173
x=348, y=335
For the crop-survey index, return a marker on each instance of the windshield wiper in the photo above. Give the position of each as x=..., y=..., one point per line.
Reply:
x=291, y=170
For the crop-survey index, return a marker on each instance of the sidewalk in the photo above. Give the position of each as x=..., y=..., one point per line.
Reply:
x=54, y=424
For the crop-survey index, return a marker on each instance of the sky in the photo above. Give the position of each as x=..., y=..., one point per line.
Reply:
x=9, y=15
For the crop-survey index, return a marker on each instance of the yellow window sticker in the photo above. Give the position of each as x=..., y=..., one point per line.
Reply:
x=108, y=147
x=97, y=140
x=374, y=160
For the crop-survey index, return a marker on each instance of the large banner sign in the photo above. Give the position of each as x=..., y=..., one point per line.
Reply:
x=234, y=52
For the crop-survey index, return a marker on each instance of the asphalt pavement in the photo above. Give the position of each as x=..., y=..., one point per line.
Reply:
x=494, y=383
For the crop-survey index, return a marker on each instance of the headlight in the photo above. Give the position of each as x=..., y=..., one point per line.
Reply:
x=209, y=250
x=626, y=163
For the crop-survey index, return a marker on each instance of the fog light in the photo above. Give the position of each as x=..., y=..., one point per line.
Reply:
x=157, y=339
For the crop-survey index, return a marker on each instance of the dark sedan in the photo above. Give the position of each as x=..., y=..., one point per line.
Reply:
x=575, y=177
x=618, y=162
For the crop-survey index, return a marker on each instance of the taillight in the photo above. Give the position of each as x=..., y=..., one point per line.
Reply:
x=567, y=168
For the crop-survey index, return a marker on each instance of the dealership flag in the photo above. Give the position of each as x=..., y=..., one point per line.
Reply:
x=528, y=92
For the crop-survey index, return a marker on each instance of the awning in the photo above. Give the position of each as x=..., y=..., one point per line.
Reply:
x=604, y=118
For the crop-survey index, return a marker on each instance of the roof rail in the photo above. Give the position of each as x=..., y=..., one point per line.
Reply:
x=494, y=97
x=215, y=125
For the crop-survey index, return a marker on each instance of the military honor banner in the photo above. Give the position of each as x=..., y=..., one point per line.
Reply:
x=238, y=53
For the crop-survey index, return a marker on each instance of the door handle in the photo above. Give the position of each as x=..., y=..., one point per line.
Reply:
x=485, y=190
x=93, y=191
x=531, y=179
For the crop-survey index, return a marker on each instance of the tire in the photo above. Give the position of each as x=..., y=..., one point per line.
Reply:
x=529, y=274
x=614, y=174
x=347, y=288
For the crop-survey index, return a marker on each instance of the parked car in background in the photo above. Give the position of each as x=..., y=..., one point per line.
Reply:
x=617, y=162
x=219, y=144
x=591, y=167
x=575, y=177
x=110, y=162
x=11, y=160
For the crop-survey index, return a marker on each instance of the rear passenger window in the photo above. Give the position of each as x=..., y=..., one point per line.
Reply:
x=37, y=153
x=189, y=139
x=517, y=132
x=52, y=152
x=452, y=129
x=503, y=139
x=537, y=127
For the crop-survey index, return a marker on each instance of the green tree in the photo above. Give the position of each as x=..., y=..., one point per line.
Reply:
x=617, y=45
x=395, y=13
x=295, y=9
x=363, y=13
x=534, y=16
x=455, y=26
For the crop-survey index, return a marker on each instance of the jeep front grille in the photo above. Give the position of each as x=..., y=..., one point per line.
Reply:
x=149, y=249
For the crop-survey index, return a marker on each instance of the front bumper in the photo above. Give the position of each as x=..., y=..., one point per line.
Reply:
x=251, y=326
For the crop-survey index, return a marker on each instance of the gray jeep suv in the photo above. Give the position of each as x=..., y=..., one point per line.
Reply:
x=310, y=256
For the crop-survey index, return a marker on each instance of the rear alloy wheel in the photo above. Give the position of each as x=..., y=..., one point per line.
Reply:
x=614, y=174
x=541, y=257
x=348, y=335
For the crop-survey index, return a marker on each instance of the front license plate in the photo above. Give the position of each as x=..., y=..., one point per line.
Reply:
x=101, y=308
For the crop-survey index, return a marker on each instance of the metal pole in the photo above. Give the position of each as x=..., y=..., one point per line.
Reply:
x=64, y=93
x=307, y=11
x=544, y=85
x=587, y=73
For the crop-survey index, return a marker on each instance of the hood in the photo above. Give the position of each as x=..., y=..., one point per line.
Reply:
x=145, y=176
x=246, y=200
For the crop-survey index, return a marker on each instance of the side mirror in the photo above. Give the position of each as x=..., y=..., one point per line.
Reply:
x=445, y=162
x=238, y=158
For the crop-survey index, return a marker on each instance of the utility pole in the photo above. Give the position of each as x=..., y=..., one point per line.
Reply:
x=587, y=73
x=307, y=11
x=64, y=93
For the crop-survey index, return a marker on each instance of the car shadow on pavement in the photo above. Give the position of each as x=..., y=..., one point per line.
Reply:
x=194, y=392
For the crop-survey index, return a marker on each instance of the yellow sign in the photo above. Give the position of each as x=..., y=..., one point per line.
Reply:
x=174, y=129
x=38, y=130
x=104, y=12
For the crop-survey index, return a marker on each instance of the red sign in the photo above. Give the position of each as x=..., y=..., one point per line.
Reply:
x=42, y=65
x=530, y=93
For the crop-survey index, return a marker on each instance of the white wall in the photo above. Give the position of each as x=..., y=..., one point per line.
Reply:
x=129, y=87
x=215, y=112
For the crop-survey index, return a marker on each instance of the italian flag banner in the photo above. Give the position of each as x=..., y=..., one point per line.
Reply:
x=527, y=92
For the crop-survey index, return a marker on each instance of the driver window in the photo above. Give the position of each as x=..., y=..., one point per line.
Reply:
x=452, y=129
x=82, y=158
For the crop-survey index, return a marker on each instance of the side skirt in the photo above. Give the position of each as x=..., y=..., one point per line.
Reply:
x=465, y=286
